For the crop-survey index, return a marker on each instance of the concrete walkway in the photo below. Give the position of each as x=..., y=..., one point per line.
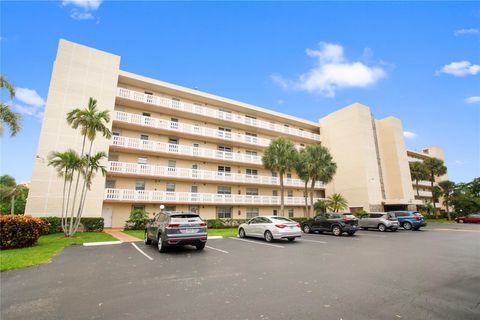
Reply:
x=117, y=233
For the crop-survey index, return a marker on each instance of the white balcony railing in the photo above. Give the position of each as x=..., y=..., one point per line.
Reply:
x=143, y=196
x=412, y=159
x=163, y=147
x=424, y=193
x=195, y=174
x=213, y=113
x=188, y=128
x=422, y=183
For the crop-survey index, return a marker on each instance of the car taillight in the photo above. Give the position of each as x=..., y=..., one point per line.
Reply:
x=418, y=218
x=173, y=225
x=345, y=219
x=203, y=224
x=281, y=226
x=298, y=225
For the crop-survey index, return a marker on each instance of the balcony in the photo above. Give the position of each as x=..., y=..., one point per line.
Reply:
x=153, y=196
x=183, y=150
x=422, y=183
x=200, y=175
x=213, y=113
x=424, y=194
x=189, y=129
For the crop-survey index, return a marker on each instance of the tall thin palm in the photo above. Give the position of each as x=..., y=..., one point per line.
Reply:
x=7, y=116
x=448, y=189
x=301, y=167
x=435, y=168
x=8, y=190
x=279, y=157
x=336, y=202
x=418, y=171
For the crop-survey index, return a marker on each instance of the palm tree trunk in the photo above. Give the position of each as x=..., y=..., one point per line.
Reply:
x=448, y=210
x=307, y=208
x=432, y=178
x=282, y=194
x=12, y=204
x=70, y=227
x=64, y=220
x=63, y=199
x=311, y=195
x=416, y=185
x=84, y=192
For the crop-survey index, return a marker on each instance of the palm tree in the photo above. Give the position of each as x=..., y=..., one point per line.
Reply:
x=279, y=157
x=337, y=202
x=301, y=167
x=321, y=206
x=435, y=168
x=448, y=188
x=418, y=171
x=66, y=163
x=12, y=119
x=8, y=190
x=321, y=167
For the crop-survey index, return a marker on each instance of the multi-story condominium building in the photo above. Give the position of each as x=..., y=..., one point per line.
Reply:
x=190, y=150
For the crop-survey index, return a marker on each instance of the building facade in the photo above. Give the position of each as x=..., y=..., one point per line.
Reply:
x=191, y=150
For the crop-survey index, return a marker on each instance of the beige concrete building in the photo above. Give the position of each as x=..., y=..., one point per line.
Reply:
x=191, y=150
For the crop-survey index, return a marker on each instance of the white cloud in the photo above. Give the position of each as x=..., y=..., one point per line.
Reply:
x=29, y=96
x=462, y=32
x=81, y=15
x=32, y=111
x=460, y=69
x=409, y=134
x=89, y=5
x=472, y=100
x=459, y=162
x=332, y=72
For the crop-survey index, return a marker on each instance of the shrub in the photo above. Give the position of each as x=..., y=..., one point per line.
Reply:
x=360, y=214
x=54, y=224
x=298, y=219
x=89, y=224
x=224, y=223
x=17, y=231
x=137, y=221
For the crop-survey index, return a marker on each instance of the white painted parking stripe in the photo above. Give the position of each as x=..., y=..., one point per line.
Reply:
x=217, y=249
x=214, y=237
x=105, y=243
x=256, y=242
x=140, y=250
x=312, y=241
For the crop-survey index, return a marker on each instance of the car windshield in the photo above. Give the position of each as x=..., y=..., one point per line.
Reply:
x=335, y=215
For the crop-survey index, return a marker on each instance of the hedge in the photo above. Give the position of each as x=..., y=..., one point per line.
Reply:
x=20, y=231
x=234, y=223
x=89, y=224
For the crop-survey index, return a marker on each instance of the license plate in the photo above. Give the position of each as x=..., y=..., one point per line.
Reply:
x=189, y=231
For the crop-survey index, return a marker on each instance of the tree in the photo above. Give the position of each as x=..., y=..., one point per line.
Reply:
x=321, y=206
x=279, y=157
x=447, y=189
x=10, y=194
x=336, y=202
x=301, y=167
x=418, y=171
x=436, y=168
x=7, y=116
x=466, y=197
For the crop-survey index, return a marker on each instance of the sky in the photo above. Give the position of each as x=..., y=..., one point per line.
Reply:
x=418, y=61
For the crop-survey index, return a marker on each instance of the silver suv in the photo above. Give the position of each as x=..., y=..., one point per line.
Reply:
x=169, y=229
x=379, y=220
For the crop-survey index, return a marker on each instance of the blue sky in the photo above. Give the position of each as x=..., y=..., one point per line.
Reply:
x=416, y=61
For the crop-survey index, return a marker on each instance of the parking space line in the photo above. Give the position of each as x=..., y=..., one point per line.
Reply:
x=265, y=244
x=301, y=240
x=216, y=249
x=141, y=251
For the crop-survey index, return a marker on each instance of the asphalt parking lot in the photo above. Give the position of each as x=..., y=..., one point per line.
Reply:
x=428, y=274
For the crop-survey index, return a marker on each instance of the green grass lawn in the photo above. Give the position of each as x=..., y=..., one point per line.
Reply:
x=46, y=247
x=227, y=232
x=440, y=220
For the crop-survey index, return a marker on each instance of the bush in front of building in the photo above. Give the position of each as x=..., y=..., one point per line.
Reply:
x=20, y=231
x=137, y=221
x=90, y=224
x=224, y=223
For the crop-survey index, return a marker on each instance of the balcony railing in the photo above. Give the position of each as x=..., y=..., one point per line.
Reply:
x=424, y=193
x=213, y=113
x=154, y=196
x=188, y=128
x=422, y=183
x=195, y=174
x=163, y=147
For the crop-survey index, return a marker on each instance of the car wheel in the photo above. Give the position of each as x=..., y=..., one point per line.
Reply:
x=336, y=231
x=146, y=240
x=306, y=229
x=268, y=236
x=407, y=226
x=461, y=221
x=161, y=245
x=241, y=233
x=351, y=233
x=200, y=246
x=364, y=228
x=382, y=227
x=394, y=229
x=291, y=239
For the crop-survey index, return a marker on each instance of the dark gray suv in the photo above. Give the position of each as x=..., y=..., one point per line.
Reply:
x=169, y=229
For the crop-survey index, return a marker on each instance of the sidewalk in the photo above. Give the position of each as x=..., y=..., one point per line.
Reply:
x=117, y=233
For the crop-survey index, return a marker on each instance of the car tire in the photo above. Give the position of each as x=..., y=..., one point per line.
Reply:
x=161, y=245
x=200, y=246
x=337, y=231
x=268, y=236
x=146, y=240
x=306, y=229
x=351, y=233
x=394, y=229
x=364, y=228
x=407, y=226
x=241, y=233
x=382, y=228
x=291, y=239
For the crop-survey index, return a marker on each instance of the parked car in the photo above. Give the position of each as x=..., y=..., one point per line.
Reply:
x=170, y=229
x=270, y=228
x=379, y=220
x=336, y=223
x=469, y=218
x=410, y=220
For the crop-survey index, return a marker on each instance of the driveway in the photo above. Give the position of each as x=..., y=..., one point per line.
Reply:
x=430, y=274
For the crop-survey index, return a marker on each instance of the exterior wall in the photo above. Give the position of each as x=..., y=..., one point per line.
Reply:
x=78, y=73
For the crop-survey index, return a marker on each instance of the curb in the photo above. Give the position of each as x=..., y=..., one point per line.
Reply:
x=214, y=237
x=105, y=243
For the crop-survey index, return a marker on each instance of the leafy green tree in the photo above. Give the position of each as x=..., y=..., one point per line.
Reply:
x=436, y=168
x=13, y=196
x=321, y=206
x=301, y=167
x=336, y=202
x=7, y=116
x=447, y=190
x=466, y=197
x=418, y=171
x=279, y=157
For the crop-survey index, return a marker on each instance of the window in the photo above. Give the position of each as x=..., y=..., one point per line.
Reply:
x=289, y=193
x=142, y=160
x=224, y=171
x=149, y=93
x=252, y=191
x=224, y=190
x=174, y=123
x=143, y=137
x=172, y=163
x=138, y=207
x=251, y=172
x=289, y=176
x=140, y=185
x=170, y=187
x=250, y=117
x=110, y=184
x=224, y=132
x=250, y=134
x=291, y=213
x=224, y=212
x=195, y=166
x=275, y=193
x=113, y=157
x=274, y=174
x=275, y=212
x=194, y=189
x=146, y=114
x=115, y=133
x=173, y=144
x=173, y=140
x=252, y=213
x=225, y=148
x=170, y=208
x=251, y=152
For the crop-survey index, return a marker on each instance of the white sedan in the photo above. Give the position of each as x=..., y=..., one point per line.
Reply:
x=270, y=228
